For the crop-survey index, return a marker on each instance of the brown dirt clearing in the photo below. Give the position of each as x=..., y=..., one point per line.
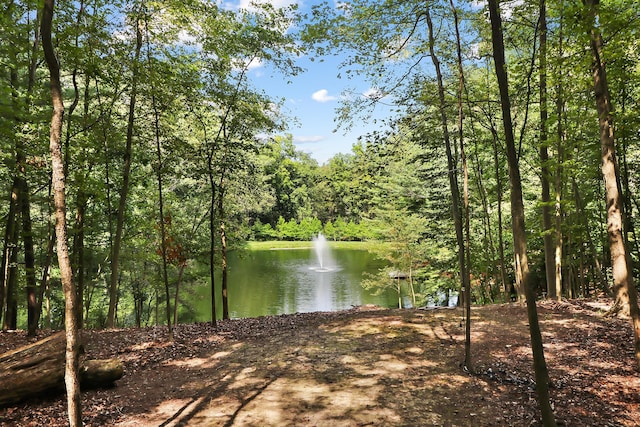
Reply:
x=358, y=367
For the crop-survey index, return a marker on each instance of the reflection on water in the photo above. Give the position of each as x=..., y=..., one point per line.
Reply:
x=283, y=281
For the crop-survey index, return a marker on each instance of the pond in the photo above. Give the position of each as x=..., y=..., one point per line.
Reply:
x=270, y=282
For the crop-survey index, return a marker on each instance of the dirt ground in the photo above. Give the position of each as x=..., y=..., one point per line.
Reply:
x=361, y=367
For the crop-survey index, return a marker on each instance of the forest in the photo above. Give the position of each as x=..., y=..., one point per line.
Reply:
x=137, y=153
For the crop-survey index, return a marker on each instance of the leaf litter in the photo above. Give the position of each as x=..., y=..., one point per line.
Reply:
x=359, y=367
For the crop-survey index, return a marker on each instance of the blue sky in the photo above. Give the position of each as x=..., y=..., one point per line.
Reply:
x=312, y=97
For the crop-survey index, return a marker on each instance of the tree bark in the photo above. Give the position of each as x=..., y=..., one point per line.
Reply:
x=517, y=220
x=72, y=353
x=623, y=284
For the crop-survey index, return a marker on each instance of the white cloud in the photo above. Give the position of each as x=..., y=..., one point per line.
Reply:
x=308, y=139
x=322, y=96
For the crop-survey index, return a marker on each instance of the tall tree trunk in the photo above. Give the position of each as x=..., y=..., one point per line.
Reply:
x=163, y=221
x=115, y=254
x=466, y=280
x=77, y=255
x=518, y=223
x=72, y=358
x=549, y=250
x=623, y=285
x=506, y=286
x=451, y=162
x=560, y=142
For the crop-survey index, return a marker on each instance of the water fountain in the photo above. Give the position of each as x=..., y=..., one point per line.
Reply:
x=324, y=260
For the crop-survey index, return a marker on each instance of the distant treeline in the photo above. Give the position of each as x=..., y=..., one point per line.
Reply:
x=308, y=228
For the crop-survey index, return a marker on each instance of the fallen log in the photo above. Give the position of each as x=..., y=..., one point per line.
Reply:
x=39, y=367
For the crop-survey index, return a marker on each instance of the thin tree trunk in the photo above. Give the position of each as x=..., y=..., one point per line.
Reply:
x=518, y=223
x=487, y=229
x=163, y=221
x=451, y=163
x=466, y=280
x=33, y=67
x=561, y=137
x=506, y=287
x=72, y=358
x=549, y=250
x=623, y=285
x=115, y=255
x=77, y=255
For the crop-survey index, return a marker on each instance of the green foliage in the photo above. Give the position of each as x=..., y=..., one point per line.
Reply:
x=220, y=137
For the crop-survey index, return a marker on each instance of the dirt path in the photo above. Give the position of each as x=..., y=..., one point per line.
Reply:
x=357, y=368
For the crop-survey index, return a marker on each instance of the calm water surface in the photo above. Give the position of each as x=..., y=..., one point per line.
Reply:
x=268, y=282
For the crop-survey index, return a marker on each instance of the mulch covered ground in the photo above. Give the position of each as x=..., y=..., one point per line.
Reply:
x=360, y=367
